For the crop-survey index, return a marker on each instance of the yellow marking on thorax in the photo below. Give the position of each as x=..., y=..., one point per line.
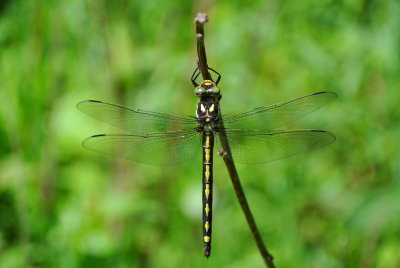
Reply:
x=207, y=173
x=207, y=226
x=207, y=238
x=207, y=209
x=203, y=109
x=211, y=108
x=207, y=191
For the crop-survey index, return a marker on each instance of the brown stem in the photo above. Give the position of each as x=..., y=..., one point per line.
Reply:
x=225, y=153
x=199, y=20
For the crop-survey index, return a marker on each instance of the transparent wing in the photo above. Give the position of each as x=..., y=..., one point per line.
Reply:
x=155, y=149
x=136, y=121
x=256, y=147
x=277, y=115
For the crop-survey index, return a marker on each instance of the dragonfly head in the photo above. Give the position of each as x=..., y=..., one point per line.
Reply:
x=207, y=88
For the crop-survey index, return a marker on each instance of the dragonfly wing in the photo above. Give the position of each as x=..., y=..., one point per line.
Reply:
x=256, y=147
x=135, y=120
x=278, y=115
x=155, y=149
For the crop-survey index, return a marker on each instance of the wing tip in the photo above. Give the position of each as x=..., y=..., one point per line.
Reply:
x=332, y=136
x=88, y=139
x=98, y=135
x=331, y=93
x=78, y=105
x=319, y=92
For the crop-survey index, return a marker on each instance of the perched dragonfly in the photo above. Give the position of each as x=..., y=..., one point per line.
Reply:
x=254, y=136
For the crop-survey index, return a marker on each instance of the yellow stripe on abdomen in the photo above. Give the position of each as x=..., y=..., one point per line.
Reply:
x=207, y=191
x=207, y=143
x=207, y=209
x=207, y=226
x=207, y=173
x=207, y=155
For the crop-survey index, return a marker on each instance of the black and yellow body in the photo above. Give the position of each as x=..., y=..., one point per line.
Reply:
x=207, y=113
x=208, y=144
x=254, y=137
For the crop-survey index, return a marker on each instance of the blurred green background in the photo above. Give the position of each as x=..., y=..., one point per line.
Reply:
x=63, y=206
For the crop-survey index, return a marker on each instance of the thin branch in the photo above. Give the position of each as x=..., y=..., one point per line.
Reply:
x=225, y=153
x=199, y=20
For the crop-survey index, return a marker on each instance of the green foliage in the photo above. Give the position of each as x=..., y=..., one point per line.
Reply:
x=61, y=206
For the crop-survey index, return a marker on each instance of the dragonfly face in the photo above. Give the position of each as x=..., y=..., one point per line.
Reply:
x=207, y=88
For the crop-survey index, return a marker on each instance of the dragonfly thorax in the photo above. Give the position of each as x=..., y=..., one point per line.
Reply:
x=207, y=110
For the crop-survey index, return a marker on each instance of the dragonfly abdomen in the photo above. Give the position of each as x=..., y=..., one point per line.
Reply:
x=208, y=144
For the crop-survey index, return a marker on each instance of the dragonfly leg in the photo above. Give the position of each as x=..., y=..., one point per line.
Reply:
x=195, y=74
x=217, y=73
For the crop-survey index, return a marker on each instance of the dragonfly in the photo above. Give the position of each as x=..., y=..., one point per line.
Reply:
x=254, y=136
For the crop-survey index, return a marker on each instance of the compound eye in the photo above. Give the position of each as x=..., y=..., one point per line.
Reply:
x=214, y=90
x=199, y=90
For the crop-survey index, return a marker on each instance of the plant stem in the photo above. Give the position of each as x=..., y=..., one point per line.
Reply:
x=199, y=20
x=225, y=153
